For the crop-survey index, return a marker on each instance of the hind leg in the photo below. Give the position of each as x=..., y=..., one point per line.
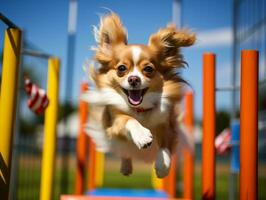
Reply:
x=162, y=162
x=126, y=166
x=166, y=141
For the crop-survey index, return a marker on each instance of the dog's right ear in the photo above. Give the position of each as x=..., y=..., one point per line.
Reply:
x=110, y=33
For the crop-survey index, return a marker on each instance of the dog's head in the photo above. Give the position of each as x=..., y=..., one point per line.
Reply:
x=135, y=71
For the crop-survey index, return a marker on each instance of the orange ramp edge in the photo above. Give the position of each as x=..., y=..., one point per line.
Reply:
x=81, y=197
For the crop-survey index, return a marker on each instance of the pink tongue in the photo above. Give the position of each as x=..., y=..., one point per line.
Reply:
x=134, y=97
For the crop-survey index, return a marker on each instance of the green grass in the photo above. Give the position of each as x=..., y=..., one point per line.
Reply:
x=141, y=179
x=221, y=186
x=29, y=180
x=261, y=188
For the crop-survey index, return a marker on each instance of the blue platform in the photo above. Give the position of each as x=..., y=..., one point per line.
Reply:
x=128, y=193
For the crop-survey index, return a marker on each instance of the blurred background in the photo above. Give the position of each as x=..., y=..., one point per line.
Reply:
x=64, y=29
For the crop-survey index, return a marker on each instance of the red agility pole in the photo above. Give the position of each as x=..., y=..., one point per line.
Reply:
x=188, y=157
x=82, y=143
x=249, y=125
x=208, y=150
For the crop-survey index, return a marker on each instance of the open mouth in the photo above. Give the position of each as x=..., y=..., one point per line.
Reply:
x=135, y=97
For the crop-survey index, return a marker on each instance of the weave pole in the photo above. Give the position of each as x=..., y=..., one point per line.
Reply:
x=249, y=125
x=208, y=149
x=92, y=159
x=92, y=166
x=188, y=156
x=169, y=182
x=50, y=130
x=82, y=143
x=8, y=102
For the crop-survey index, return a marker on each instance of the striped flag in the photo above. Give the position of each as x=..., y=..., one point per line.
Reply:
x=223, y=142
x=38, y=99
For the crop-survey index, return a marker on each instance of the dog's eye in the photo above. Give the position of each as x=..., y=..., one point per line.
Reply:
x=148, y=69
x=121, y=68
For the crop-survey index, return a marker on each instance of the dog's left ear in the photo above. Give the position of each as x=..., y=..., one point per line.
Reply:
x=167, y=42
x=110, y=34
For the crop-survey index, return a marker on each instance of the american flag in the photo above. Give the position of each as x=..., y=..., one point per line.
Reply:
x=38, y=99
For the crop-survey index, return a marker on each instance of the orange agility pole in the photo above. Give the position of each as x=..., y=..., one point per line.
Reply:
x=82, y=144
x=208, y=150
x=188, y=156
x=91, y=165
x=249, y=125
x=169, y=182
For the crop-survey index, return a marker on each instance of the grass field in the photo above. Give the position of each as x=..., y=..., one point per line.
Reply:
x=29, y=179
x=141, y=179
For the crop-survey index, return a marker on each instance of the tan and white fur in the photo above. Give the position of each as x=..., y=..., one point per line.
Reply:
x=133, y=106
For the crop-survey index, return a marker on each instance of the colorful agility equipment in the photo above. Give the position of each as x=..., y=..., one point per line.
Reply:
x=209, y=110
x=188, y=167
x=50, y=130
x=248, y=125
x=81, y=148
x=8, y=102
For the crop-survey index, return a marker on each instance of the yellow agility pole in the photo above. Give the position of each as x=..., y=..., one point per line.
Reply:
x=10, y=71
x=157, y=183
x=50, y=122
x=99, y=174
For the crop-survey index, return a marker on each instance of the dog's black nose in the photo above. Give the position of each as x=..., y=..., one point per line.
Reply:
x=134, y=81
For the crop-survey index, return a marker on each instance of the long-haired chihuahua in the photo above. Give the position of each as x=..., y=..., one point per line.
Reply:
x=137, y=87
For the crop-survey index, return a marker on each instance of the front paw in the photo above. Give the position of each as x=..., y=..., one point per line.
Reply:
x=142, y=138
x=140, y=135
x=162, y=163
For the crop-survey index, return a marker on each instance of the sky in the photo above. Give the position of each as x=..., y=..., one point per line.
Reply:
x=46, y=23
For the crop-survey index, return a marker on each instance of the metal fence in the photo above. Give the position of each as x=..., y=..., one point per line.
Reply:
x=249, y=31
x=249, y=25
